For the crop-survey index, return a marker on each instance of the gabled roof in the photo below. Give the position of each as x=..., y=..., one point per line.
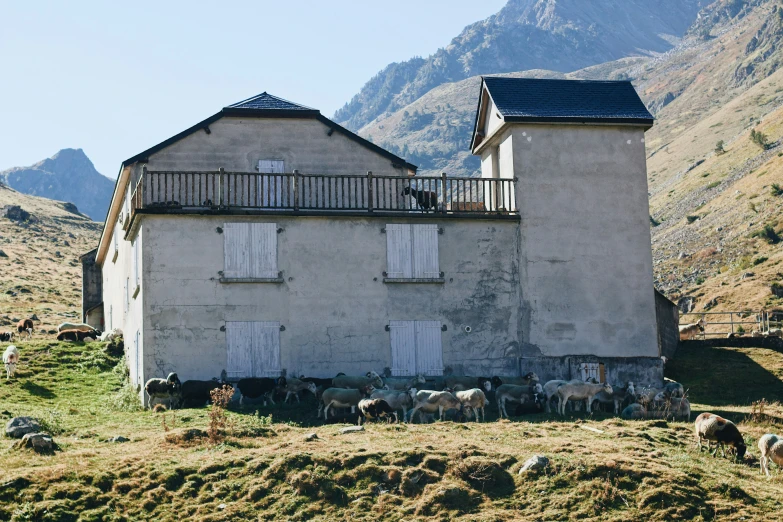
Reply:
x=565, y=101
x=266, y=101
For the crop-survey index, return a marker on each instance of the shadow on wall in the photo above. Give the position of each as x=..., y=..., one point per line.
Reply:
x=728, y=376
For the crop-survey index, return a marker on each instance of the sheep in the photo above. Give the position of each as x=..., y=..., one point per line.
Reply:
x=293, y=386
x=25, y=326
x=375, y=409
x=405, y=384
x=426, y=199
x=514, y=393
x=770, y=448
x=431, y=401
x=75, y=335
x=343, y=398
x=690, y=331
x=775, y=332
x=473, y=400
x=453, y=383
x=398, y=400
x=256, y=387
x=197, y=392
x=645, y=395
x=7, y=337
x=713, y=428
x=580, y=391
x=634, y=411
x=10, y=360
x=110, y=336
x=168, y=388
x=525, y=380
x=355, y=382
x=82, y=327
x=550, y=392
x=673, y=389
x=676, y=409
x=618, y=396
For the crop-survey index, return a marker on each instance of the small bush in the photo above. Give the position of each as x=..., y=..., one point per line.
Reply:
x=700, y=280
x=752, y=207
x=759, y=260
x=759, y=138
x=713, y=185
x=740, y=329
x=768, y=234
x=719, y=147
x=217, y=414
x=691, y=219
x=777, y=190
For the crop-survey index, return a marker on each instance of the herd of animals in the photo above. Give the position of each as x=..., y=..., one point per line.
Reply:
x=378, y=398
x=692, y=331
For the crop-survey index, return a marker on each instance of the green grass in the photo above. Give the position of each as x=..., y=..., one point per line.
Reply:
x=265, y=470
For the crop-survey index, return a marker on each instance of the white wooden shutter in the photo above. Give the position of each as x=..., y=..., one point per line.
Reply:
x=429, y=348
x=403, y=348
x=271, y=166
x=398, y=251
x=139, y=376
x=263, y=251
x=425, y=251
x=239, y=353
x=266, y=349
x=236, y=250
x=136, y=281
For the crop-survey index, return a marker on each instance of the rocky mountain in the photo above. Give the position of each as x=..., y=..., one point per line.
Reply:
x=710, y=205
x=559, y=35
x=68, y=176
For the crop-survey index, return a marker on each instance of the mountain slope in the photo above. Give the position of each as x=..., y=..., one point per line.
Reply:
x=562, y=35
x=70, y=176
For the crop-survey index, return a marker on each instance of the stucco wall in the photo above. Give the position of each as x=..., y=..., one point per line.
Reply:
x=237, y=144
x=333, y=301
x=586, y=264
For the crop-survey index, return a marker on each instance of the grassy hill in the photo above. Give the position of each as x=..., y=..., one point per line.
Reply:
x=41, y=274
x=265, y=469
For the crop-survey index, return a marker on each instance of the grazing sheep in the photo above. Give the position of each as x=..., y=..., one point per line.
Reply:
x=634, y=411
x=7, y=337
x=398, y=400
x=197, y=392
x=110, y=336
x=343, y=398
x=375, y=409
x=10, y=360
x=473, y=400
x=431, y=401
x=293, y=386
x=770, y=448
x=713, y=428
x=618, y=396
x=168, y=388
x=550, y=392
x=580, y=391
x=256, y=387
x=82, y=327
x=646, y=395
x=455, y=383
x=515, y=393
x=690, y=331
x=25, y=326
x=404, y=384
x=426, y=199
x=676, y=409
x=355, y=382
x=75, y=335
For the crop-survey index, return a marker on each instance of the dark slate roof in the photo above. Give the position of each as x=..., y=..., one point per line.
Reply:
x=580, y=101
x=265, y=101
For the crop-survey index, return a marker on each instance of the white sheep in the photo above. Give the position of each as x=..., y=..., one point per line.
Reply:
x=580, y=391
x=397, y=399
x=10, y=359
x=353, y=382
x=404, y=384
x=473, y=400
x=514, y=393
x=770, y=448
x=431, y=401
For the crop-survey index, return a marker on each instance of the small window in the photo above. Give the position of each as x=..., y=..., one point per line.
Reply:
x=252, y=349
x=412, y=253
x=250, y=252
x=416, y=347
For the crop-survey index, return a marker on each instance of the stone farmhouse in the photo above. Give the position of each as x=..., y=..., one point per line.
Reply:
x=268, y=238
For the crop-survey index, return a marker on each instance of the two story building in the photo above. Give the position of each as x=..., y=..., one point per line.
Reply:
x=268, y=238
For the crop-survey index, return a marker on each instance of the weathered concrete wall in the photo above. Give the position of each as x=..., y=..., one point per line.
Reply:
x=237, y=144
x=333, y=301
x=619, y=370
x=586, y=264
x=668, y=317
x=92, y=280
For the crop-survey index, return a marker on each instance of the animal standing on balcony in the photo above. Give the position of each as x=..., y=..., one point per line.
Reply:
x=426, y=199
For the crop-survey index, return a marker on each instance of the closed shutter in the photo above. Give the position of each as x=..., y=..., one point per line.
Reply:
x=236, y=250
x=127, y=294
x=136, y=281
x=425, y=251
x=271, y=166
x=398, y=251
x=239, y=352
x=139, y=376
x=263, y=250
x=403, y=347
x=266, y=349
x=429, y=348
x=271, y=187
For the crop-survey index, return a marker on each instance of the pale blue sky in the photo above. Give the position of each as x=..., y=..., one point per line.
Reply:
x=116, y=78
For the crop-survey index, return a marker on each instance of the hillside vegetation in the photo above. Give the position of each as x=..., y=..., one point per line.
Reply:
x=264, y=468
x=41, y=274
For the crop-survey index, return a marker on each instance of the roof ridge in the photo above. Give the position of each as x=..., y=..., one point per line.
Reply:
x=267, y=96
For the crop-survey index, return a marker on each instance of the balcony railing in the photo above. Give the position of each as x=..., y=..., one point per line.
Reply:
x=200, y=191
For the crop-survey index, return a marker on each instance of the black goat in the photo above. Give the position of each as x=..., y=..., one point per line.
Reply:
x=196, y=393
x=256, y=387
x=426, y=199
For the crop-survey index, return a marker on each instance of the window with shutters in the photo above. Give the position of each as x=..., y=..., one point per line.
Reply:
x=252, y=349
x=275, y=191
x=416, y=347
x=412, y=254
x=135, y=254
x=250, y=253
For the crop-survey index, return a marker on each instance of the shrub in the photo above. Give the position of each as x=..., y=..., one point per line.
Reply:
x=759, y=260
x=217, y=414
x=777, y=190
x=768, y=234
x=691, y=219
x=759, y=138
x=700, y=280
x=713, y=185
x=719, y=147
x=740, y=329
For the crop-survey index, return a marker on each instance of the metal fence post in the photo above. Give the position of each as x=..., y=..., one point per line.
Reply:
x=221, y=170
x=369, y=191
x=296, y=190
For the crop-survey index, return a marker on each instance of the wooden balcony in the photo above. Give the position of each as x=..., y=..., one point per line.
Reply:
x=220, y=192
